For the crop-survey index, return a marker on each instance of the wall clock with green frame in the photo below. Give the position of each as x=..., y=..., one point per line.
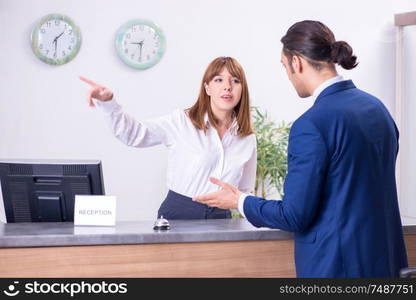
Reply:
x=140, y=43
x=56, y=39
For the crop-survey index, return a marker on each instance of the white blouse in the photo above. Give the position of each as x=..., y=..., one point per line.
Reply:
x=193, y=155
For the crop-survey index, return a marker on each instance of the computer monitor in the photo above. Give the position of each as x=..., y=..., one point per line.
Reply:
x=44, y=190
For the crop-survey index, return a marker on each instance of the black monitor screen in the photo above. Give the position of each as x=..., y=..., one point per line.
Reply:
x=44, y=190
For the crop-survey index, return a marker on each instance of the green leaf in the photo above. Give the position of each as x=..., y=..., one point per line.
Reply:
x=272, y=142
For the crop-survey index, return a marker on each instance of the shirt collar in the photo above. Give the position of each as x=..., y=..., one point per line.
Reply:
x=206, y=119
x=324, y=85
x=234, y=124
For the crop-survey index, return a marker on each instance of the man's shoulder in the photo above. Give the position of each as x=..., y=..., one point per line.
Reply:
x=312, y=116
x=307, y=121
x=316, y=119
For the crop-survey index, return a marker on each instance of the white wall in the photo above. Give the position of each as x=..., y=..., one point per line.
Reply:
x=408, y=124
x=43, y=113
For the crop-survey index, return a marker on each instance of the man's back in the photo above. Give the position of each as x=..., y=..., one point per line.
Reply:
x=359, y=216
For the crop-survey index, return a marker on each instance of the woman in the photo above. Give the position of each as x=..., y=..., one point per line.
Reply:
x=212, y=138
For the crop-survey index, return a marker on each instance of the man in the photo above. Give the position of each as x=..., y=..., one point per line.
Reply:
x=340, y=195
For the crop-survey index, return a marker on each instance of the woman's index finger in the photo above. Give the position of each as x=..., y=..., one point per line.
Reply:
x=89, y=81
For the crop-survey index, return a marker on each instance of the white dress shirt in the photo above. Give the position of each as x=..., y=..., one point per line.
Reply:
x=315, y=95
x=193, y=156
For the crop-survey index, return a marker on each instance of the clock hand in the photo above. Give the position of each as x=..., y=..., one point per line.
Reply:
x=140, y=44
x=56, y=46
x=56, y=39
x=137, y=43
x=141, y=47
x=60, y=35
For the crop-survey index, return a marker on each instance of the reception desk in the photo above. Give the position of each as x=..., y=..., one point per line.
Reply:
x=192, y=248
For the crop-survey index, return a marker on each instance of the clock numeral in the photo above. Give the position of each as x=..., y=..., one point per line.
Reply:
x=69, y=48
x=57, y=22
x=47, y=51
x=133, y=29
x=48, y=24
x=42, y=30
x=148, y=57
x=54, y=55
x=128, y=36
x=41, y=46
x=126, y=51
x=63, y=53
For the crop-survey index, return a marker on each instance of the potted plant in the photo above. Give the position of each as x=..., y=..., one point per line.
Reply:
x=272, y=141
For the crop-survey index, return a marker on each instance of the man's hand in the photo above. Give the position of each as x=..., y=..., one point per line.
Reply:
x=226, y=198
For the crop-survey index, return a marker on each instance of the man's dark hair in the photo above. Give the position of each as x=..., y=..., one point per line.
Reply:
x=316, y=43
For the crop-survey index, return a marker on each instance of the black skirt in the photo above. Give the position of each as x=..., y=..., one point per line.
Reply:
x=179, y=207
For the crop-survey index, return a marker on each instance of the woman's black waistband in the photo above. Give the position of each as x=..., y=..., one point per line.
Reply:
x=180, y=207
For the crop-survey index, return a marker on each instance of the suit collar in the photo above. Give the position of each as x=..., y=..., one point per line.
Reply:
x=324, y=85
x=336, y=87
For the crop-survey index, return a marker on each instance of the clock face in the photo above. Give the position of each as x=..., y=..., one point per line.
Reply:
x=56, y=39
x=140, y=44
